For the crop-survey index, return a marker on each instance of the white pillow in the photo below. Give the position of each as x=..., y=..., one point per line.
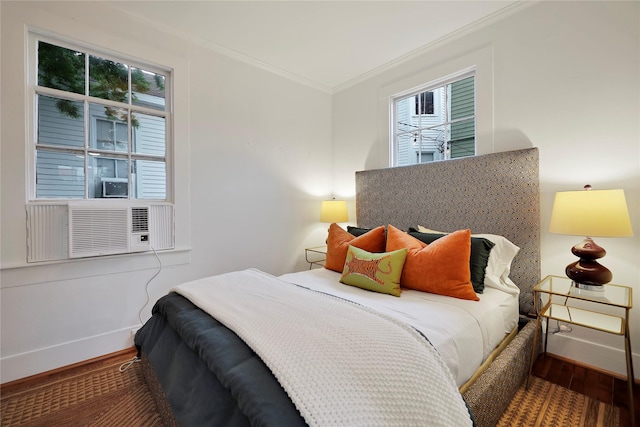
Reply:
x=499, y=263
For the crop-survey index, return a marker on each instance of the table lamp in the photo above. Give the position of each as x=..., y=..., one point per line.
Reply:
x=591, y=213
x=334, y=211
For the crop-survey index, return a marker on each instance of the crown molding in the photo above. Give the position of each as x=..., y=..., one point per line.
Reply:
x=475, y=26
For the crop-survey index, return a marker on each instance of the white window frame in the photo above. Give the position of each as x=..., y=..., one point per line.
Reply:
x=33, y=90
x=431, y=86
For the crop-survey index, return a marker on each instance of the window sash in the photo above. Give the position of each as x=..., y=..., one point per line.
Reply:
x=421, y=124
x=130, y=107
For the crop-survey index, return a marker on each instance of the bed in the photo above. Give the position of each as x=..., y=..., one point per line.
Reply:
x=200, y=348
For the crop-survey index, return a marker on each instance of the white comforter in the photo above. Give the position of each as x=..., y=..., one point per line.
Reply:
x=463, y=332
x=336, y=374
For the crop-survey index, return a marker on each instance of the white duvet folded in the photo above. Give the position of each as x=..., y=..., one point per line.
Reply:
x=464, y=332
x=341, y=363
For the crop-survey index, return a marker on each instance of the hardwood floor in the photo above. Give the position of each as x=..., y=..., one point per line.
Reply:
x=67, y=370
x=595, y=384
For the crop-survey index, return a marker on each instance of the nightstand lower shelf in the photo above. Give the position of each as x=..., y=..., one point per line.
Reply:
x=589, y=315
x=588, y=319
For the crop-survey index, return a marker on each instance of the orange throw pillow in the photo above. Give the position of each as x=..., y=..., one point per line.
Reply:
x=441, y=267
x=339, y=240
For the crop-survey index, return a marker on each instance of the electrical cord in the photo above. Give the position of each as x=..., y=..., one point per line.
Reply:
x=135, y=359
x=127, y=365
x=146, y=286
x=563, y=328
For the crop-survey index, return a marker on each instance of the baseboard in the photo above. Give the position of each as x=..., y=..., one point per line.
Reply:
x=592, y=355
x=590, y=367
x=38, y=378
x=28, y=364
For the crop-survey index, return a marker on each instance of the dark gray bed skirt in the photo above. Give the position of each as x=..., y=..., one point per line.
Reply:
x=206, y=373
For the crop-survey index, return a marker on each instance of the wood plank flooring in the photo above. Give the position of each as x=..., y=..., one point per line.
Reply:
x=590, y=382
x=54, y=374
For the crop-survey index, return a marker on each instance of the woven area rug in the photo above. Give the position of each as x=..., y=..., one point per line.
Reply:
x=101, y=396
x=104, y=396
x=548, y=404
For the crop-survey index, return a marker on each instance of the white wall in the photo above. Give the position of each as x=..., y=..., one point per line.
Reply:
x=560, y=76
x=253, y=160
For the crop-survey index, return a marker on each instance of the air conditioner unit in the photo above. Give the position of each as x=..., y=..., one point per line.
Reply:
x=96, y=230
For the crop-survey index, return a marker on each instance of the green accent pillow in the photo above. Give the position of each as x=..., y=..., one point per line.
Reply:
x=378, y=272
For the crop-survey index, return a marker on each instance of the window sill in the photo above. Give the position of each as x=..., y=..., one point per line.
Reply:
x=24, y=274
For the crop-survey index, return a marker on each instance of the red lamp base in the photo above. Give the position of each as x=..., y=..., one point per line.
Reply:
x=587, y=270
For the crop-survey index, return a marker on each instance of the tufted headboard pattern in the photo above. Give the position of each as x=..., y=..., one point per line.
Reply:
x=493, y=193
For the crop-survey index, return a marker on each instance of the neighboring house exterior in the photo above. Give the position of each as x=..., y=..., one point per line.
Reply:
x=61, y=175
x=436, y=125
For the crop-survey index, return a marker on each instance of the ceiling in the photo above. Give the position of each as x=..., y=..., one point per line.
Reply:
x=325, y=44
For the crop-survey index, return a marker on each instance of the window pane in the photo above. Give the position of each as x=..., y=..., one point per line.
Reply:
x=109, y=130
x=148, y=89
x=463, y=141
x=441, y=122
x=434, y=137
x=122, y=168
x=104, y=167
x=108, y=177
x=424, y=103
x=59, y=175
x=435, y=140
x=60, y=122
x=60, y=68
x=149, y=135
x=403, y=115
x=404, y=150
x=149, y=180
x=425, y=157
x=462, y=98
x=122, y=140
x=104, y=135
x=463, y=109
x=108, y=79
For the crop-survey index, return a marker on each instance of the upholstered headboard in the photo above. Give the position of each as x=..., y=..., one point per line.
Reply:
x=493, y=193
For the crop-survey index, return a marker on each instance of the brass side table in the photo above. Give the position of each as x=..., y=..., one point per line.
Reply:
x=560, y=293
x=318, y=255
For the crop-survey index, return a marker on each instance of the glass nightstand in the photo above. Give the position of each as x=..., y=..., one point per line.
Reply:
x=315, y=256
x=560, y=296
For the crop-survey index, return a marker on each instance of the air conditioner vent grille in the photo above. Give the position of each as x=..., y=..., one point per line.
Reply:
x=139, y=220
x=97, y=232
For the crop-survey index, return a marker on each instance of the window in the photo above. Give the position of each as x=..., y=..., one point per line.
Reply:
x=424, y=103
x=436, y=122
x=424, y=156
x=101, y=125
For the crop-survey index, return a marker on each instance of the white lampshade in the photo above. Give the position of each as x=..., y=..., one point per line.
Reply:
x=334, y=211
x=593, y=213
